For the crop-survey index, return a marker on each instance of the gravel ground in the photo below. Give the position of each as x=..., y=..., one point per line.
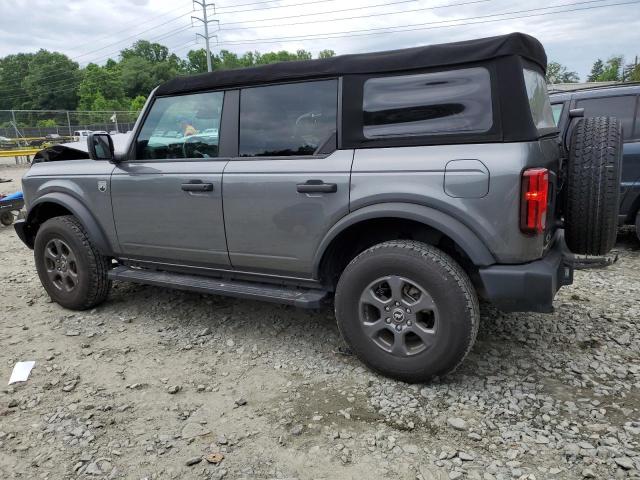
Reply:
x=163, y=384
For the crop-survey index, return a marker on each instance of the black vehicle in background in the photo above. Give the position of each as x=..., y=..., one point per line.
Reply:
x=622, y=102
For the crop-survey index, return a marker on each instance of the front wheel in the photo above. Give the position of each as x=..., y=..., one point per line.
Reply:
x=71, y=269
x=407, y=310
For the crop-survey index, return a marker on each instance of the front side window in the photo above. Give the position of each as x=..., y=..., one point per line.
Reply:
x=621, y=106
x=455, y=101
x=285, y=120
x=185, y=126
x=538, y=99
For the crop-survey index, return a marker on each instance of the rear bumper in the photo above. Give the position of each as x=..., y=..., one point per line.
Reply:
x=528, y=287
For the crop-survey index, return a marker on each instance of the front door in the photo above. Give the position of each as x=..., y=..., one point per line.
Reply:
x=167, y=200
x=289, y=184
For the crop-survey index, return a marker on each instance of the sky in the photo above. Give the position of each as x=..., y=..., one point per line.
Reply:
x=573, y=32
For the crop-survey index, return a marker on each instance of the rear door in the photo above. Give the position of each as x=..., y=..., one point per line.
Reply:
x=167, y=198
x=289, y=184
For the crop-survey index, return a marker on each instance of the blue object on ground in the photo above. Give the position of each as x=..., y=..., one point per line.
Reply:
x=13, y=196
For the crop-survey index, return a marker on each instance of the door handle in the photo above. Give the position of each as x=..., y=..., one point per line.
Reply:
x=317, y=186
x=197, y=186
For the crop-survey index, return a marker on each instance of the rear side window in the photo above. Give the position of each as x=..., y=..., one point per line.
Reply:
x=451, y=102
x=185, y=126
x=539, y=104
x=622, y=107
x=285, y=120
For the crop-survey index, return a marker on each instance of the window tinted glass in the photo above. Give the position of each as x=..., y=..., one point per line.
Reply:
x=292, y=119
x=557, y=112
x=538, y=99
x=185, y=126
x=457, y=101
x=621, y=107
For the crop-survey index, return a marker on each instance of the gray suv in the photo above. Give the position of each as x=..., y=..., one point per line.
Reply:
x=402, y=186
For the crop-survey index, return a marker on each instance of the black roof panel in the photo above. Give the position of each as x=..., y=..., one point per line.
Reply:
x=446, y=54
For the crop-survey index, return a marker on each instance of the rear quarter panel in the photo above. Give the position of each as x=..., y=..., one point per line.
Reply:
x=417, y=175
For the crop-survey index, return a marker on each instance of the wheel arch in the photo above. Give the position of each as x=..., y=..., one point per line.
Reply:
x=389, y=215
x=56, y=204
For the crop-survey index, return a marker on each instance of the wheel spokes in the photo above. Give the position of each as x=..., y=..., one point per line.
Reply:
x=369, y=297
x=398, y=315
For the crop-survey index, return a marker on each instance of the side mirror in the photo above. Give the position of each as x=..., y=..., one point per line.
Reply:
x=100, y=146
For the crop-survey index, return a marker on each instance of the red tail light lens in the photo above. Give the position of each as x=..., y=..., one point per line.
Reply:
x=535, y=193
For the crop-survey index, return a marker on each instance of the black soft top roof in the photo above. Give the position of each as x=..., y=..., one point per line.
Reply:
x=446, y=54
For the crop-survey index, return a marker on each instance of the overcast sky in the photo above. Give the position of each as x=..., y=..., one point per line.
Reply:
x=94, y=30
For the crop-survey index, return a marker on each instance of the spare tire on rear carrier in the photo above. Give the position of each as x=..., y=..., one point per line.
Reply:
x=592, y=185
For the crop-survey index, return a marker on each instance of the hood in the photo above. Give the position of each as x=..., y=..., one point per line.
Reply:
x=78, y=150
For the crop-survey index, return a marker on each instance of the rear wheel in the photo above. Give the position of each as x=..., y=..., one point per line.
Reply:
x=593, y=186
x=71, y=269
x=407, y=310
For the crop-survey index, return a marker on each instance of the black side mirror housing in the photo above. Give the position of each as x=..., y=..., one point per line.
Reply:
x=100, y=146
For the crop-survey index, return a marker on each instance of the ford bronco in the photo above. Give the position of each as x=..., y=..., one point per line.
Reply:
x=401, y=186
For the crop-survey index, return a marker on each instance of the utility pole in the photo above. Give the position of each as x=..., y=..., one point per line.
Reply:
x=206, y=21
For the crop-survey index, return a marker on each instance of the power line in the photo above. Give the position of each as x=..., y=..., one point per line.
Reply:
x=269, y=8
x=358, y=16
x=428, y=26
x=386, y=4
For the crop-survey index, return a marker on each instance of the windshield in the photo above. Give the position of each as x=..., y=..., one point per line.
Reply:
x=538, y=100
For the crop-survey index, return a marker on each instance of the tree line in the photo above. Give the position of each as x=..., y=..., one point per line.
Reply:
x=52, y=81
x=614, y=69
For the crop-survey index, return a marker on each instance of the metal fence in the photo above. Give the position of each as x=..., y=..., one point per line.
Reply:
x=40, y=123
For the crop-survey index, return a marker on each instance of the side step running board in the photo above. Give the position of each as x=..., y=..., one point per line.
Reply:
x=309, y=298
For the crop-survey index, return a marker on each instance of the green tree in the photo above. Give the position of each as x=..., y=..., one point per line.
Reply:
x=326, y=54
x=558, y=73
x=196, y=61
x=609, y=71
x=613, y=69
x=52, y=82
x=137, y=103
x=136, y=76
x=13, y=70
x=596, y=71
x=100, y=81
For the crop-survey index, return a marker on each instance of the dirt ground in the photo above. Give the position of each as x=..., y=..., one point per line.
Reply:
x=161, y=384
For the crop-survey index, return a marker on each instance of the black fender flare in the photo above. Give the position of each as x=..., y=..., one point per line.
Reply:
x=462, y=235
x=82, y=213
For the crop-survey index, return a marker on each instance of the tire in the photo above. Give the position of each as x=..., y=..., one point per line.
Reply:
x=433, y=316
x=6, y=218
x=593, y=186
x=71, y=269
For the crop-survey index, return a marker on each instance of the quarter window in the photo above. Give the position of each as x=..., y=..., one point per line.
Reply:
x=538, y=100
x=455, y=101
x=556, y=108
x=622, y=107
x=285, y=120
x=185, y=126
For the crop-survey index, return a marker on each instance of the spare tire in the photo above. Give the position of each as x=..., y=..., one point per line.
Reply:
x=592, y=189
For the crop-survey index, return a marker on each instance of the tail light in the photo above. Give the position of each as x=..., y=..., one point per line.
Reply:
x=533, y=208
